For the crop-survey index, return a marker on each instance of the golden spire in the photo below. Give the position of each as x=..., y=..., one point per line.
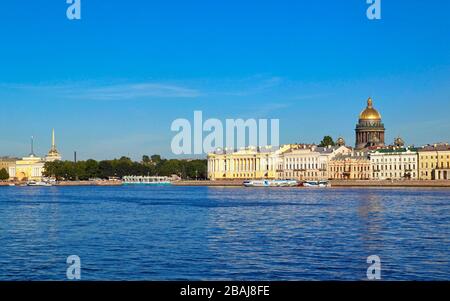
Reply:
x=53, y=154
x=369, y=103
x=53, y=139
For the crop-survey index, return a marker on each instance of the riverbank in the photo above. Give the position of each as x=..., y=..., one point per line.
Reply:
x=238, y=183
x=334, y=183
x=387, y=183
x=230, y=183
x=73, y=183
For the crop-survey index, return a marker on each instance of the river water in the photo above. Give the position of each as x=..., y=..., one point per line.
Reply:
x=214, y=233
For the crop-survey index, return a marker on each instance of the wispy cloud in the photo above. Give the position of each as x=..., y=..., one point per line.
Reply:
x=139, y=90
x=113, y=91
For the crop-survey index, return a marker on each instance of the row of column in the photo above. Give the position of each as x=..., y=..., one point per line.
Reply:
x=364, y=137
x=239, y=164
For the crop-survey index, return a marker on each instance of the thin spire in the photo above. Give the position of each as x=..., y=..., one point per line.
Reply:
x=53, y=139
x=32, y=147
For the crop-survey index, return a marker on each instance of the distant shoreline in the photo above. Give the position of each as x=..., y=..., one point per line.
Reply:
x=238, y=183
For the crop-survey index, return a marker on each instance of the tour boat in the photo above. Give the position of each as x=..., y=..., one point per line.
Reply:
x=316, y=184
x=270, y=183
x=42, y=184
x=140, y=180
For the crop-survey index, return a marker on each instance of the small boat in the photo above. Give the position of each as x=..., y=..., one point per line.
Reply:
x=41, y=184
x=270, y=183
x=12, y=185
x=316, y=184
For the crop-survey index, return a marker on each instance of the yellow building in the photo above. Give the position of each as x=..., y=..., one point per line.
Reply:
x=434, y=162
x=7, y=162
x=354, y=166
x=31, y=168
x=246, y=163
x=27, y=169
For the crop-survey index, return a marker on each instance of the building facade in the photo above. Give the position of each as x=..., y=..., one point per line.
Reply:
x=308, y=162
x=31, y=168
x=434, y=162
x=354, y=166
x=246, y=163
x=28, y=168
x=394, y=164
x=6, y=163
x=371, y=159
x=370, y=130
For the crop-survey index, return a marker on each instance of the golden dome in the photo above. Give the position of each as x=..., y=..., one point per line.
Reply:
x=370, y=113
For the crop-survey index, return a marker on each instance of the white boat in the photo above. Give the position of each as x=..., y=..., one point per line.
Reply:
x=316, y=184
x=146, y=180
x=270, y=183
x=41, y=184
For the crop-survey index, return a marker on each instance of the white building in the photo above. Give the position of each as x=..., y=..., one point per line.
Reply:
x=246, y=163
x=308, y=162
x=396, y=163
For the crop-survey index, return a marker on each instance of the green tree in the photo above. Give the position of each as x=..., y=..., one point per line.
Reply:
x=156, y=159
x=106, y=169
x=146, y=159
x=92, y=169
x=4, y=175
x=327, y=141
x=84, y=170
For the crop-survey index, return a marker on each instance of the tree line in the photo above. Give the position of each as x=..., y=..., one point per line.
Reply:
x=148, y=166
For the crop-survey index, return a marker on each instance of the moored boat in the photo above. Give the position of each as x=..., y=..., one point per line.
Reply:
x=146, y=180
x=316, y=184
x=270, y=183
x=41, y=184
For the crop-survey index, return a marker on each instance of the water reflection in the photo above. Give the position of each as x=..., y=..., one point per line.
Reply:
x=199, y=233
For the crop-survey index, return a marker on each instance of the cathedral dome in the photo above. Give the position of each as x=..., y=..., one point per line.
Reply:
x=370, y=113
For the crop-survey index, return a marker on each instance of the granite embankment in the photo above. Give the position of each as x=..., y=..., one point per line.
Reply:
x=387, y=183
x=238, y=183
x=334, y=183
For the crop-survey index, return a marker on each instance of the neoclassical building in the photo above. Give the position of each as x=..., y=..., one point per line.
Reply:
x=353, y=166
x=291, y=161
x=370, y=129
x=371, y=159
x=246, y=163
x=7, y=162
x=395, y=163
x=434, y=162
x=308, y=162
x=31, y=168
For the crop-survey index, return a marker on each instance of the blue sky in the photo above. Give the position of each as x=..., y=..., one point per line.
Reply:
x=112, y=83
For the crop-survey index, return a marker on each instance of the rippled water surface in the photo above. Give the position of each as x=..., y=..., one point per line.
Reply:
x=204, y=233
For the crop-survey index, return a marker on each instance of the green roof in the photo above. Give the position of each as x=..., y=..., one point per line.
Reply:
x=398, y=150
